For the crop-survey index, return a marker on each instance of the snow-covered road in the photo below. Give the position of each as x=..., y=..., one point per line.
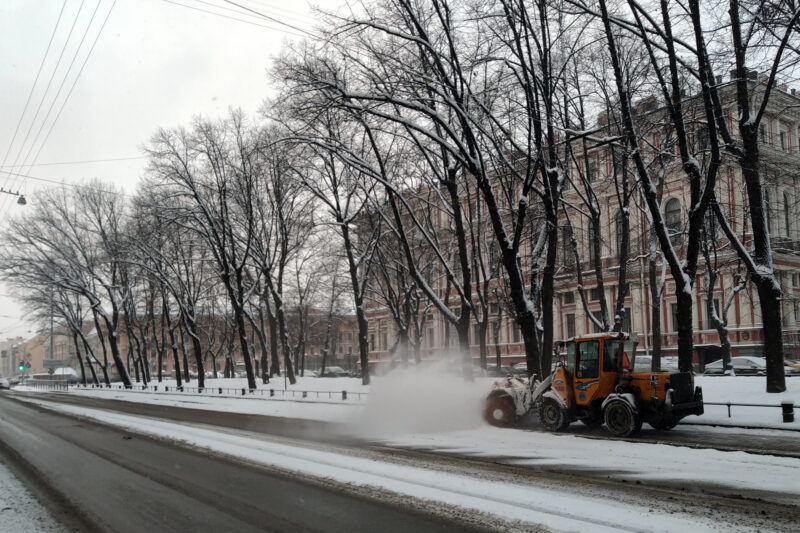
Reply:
x=541, y=499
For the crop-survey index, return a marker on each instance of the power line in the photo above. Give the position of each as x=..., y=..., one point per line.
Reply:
x=63, y=81
x=35, y=81
x=77, y=162
x=233, y=18
x=59, y=183
x=75, y=81
x=49, y=82
x=267, y=17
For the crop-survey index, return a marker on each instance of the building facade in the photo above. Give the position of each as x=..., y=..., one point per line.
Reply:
x=780, y=160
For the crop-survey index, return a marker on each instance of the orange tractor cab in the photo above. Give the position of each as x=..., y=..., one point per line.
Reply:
x=594, y=382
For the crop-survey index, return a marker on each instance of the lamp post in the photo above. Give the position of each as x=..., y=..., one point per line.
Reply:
x=20, y=197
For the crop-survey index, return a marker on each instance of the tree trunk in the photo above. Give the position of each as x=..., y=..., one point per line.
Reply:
x=272, y=320
x=655, y=314
x=79, y=357
x=361, y=317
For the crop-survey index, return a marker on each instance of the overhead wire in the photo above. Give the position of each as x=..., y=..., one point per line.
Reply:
x=246, y=11
x=63, y=82
x=47, y=89
x=267, y=17
x=35, y=81
x=74, y=82
x=81, y=162
x=173, y=2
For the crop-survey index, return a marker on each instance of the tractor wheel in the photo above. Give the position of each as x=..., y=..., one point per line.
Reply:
x=552, y=415
x=499, y=411
x=620, y=418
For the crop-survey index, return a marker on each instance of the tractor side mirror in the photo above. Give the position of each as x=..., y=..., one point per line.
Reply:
x=626, y=362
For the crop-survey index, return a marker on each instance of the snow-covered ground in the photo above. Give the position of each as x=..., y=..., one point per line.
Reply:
x=442, y=413
x=20, y=510
x=513, y=501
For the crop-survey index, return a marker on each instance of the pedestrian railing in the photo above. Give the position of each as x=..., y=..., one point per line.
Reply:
x=46, y=385
x=787, y=408
x=235, y=392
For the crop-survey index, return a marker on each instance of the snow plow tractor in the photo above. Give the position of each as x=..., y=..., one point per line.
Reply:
x=593, y=382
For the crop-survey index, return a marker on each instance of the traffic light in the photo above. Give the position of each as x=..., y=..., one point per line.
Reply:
x=21, y=366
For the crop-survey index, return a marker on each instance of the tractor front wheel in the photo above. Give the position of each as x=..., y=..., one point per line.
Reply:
x=552, y=415
x=621, y=420
x=499, y=411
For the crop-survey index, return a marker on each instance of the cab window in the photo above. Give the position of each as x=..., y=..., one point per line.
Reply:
x=571, y=356
x=612, y=351
x=588, y=359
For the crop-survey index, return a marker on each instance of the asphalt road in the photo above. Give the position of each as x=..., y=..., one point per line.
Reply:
x=114, y=481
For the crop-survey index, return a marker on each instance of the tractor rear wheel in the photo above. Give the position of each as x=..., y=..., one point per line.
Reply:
x=499, y=411
x=621, y=420
x=552, y=415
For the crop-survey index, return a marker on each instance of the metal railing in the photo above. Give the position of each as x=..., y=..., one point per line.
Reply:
x=45, y=385
x=787, y=408
x=234, y=392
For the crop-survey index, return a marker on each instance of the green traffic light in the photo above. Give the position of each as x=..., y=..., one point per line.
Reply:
x=21, y=367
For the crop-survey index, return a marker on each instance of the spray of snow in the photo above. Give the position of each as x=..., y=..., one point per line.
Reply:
x=422, y=399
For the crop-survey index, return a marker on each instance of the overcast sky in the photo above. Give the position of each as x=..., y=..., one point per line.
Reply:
x=155, y=64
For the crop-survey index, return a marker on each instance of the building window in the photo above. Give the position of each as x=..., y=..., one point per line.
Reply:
x=762, y=132
x=384, y=341
x=476, y=334
x=569, y=321
x=595, y=294
x=566, y=245
x=592, y=238
x=702, y=137
x=515, y=330
x=372, y=342
x=782, y=137
x=674, y=312
x=568, y=298
x=787, y=219
x=493, y=309
x=430, y=338
x=672, y=219
x=591, y=171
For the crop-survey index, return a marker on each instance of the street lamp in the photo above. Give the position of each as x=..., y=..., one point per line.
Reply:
x=20, y=197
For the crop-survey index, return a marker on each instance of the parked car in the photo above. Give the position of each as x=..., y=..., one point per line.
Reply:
x=794, y=363
x=643, y=363
x=335, y=372
x=4, y=384
x=747, y=366
x=520, y=368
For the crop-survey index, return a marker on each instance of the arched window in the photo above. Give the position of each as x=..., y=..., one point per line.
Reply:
x=787, y=219
x=672, y=219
